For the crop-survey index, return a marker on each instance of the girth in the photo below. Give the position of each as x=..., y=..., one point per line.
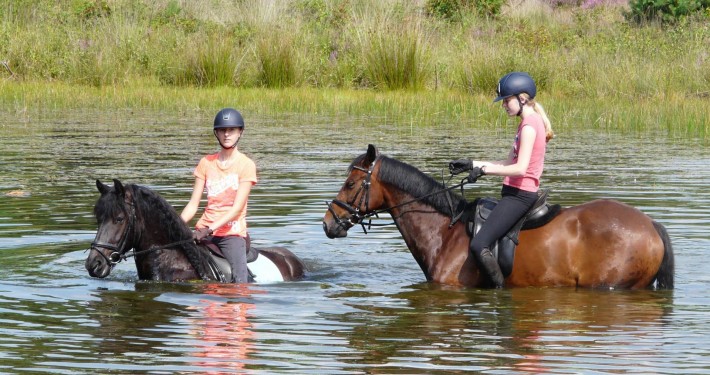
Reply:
x=540, y=214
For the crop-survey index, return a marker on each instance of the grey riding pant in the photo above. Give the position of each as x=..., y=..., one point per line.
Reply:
x=234, y=249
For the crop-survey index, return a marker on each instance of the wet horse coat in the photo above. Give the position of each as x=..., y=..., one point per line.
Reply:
x=602, y=243
x=135, y=217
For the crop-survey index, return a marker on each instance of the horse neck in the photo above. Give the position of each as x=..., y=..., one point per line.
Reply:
x=422, y=226
x=150, y=230
x=153, y=230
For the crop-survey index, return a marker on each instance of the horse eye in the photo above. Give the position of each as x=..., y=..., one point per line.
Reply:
x=119, y=219
x=350, y=184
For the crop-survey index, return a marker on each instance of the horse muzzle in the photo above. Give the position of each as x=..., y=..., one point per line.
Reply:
x=336, y=228
x=98, y=264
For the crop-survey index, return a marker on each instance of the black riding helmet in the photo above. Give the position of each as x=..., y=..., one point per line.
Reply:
x=228, y=118
x=515, y=83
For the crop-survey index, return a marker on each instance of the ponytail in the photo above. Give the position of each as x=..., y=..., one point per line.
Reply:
x=549, y=134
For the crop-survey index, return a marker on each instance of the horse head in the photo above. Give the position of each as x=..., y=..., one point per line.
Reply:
x=116, y=217
x=358, y=198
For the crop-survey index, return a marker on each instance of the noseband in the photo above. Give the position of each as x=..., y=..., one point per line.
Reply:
x=119, y=249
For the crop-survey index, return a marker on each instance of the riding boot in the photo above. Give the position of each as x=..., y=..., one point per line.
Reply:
x=490, y=264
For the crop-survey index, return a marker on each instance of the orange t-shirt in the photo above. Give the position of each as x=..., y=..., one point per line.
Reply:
x=221, y=185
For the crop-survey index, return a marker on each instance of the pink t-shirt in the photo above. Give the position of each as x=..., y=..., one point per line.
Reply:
x=531, y=180
x=221, y=185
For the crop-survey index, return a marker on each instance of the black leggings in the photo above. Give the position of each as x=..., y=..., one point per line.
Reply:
x=511, y=207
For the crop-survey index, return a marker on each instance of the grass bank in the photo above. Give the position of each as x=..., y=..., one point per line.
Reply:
x=682, y=117
x=369, y=58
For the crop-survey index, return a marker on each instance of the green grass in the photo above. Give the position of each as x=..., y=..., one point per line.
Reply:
x=684, y=118
x=368, y=57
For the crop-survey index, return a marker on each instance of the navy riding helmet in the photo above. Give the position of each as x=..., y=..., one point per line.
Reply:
x=228, y=118
x=515, y=83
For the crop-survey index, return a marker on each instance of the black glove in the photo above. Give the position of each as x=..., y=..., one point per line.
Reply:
x=460, y=165
x=475, y=173
x=201, y=233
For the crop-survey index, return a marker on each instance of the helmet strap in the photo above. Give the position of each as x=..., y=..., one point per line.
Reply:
x=520, y=105
x=220, y=142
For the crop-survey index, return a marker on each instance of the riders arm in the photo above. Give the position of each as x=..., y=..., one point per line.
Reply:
x=508, y=168
x=191, y=207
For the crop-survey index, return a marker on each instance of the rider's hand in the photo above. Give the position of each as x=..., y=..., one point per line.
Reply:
x=460, y=165
x=474, y=174
x=201, y=233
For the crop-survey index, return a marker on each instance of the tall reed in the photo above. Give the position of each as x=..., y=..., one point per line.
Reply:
x=277, y=60
x=589, y=56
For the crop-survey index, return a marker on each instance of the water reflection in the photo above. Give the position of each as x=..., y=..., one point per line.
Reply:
x=603, y=328
x=222, y=329
x=533, y=329
x=358, y=312
x=132, y=321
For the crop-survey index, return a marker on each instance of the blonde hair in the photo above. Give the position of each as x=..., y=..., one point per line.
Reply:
x=549, y=134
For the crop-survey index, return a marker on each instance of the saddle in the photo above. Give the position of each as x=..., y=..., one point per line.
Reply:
x=221, y=270
x=540, y=214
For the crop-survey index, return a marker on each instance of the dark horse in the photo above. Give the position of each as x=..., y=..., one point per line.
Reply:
x=135, y=217
x=602, y=243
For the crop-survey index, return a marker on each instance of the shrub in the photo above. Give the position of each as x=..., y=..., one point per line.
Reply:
x=454, y=10
x=665, y=11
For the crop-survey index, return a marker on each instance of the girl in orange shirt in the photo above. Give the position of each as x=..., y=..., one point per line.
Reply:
x=227, y=176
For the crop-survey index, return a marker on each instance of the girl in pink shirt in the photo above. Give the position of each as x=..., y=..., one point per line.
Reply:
x=522, y=169
x=227, y=176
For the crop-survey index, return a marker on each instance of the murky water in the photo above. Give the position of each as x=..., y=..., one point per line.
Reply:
x=364, y=307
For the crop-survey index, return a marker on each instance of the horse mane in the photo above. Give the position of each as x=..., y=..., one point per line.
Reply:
x=148, y=201
x=417, y=184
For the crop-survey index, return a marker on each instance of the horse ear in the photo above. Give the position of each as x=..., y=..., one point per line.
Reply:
x=372, y=153
x=103, y=189
x=120, y=190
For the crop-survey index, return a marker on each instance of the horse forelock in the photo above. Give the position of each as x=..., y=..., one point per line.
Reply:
x=358, y=160
x=108, y=206
x=417, y=184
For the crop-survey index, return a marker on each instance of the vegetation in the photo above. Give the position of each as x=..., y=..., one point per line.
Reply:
x=597, y=63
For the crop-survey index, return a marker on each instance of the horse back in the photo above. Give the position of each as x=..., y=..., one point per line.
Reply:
x=291, y=267
x=602, y=243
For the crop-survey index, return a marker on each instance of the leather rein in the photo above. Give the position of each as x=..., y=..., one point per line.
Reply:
x=120, y=252
x=358, y=217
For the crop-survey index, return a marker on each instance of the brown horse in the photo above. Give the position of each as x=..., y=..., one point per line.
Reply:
x=599, y=244
x=133, y=217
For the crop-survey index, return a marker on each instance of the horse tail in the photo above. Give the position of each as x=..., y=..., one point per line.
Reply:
x=664, y=276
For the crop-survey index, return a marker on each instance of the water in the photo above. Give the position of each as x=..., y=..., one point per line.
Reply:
x=364, y=307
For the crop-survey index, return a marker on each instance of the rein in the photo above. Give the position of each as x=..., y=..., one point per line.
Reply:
x=357, y=217
x=151, y=249
x=119, y=254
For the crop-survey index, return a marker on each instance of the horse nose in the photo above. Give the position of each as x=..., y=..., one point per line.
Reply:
x=327, y=232
x=338, y=232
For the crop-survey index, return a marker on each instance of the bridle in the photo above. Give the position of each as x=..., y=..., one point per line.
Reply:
x=120, y=250
x=358, y=217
